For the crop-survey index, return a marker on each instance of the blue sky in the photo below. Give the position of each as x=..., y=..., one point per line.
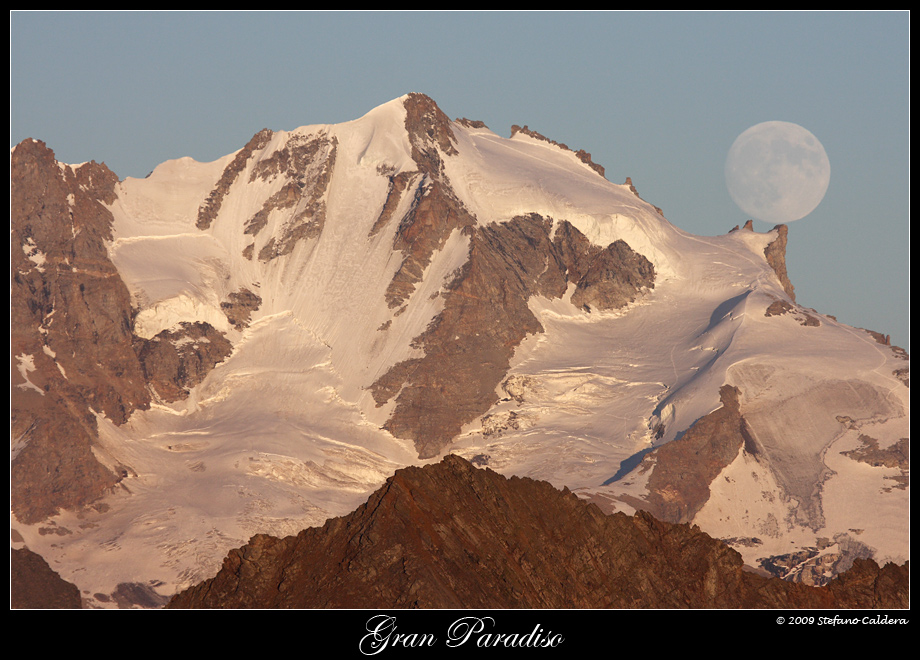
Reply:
x=657, y=96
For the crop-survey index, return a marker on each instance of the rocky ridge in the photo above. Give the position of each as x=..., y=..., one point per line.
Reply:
x=74, y=354
x=450, y=535
x=71, y=333
x=582, y=155
x=468, y=347
x=682, y=470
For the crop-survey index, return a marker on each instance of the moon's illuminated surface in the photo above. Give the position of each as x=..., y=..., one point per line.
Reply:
x=777, y=172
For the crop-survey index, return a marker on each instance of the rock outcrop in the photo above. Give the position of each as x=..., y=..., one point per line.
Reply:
x=74, y=354
x=436, y=211
x=305, y=164
x=35, y=585
x=614, y=278
x=581, y=154
x=775, y=254
x=683, y=469
x=450, y=535
x=179, y=358
x=468, y=347
x=239, y=308
x=208, y=211
x=71, y=336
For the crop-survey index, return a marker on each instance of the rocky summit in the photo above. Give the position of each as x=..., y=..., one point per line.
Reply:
x=451, y=536
x=251, y=347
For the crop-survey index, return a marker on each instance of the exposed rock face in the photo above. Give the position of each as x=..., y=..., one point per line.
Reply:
x=397, y=186
x=429, y=132
x=73, y=350
x=179, y=358
x=683, y=468
x=71, y=332
x=453, y=536
x=468, y=347
x=635, y=192
x=775, y=253
x=53, y=466
x=239, y=308
x=779, y=307
x=67, y=294
x=306, y=164
x=422, y=232
x=614, y=278
x=895, y=456
x=34, y=585
x=471, y=123
x=884, y=340
x=211, y=207
x=436, y=212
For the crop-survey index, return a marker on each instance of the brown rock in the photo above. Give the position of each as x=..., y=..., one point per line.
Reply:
x=34, y=585
x=239, y=308
x=429, y=132
x=778, y=308
x=178, y=359
x=71, y=320
x=614, y=279
x=471, y=123
x=209, y=209
x=896, y=455
x=450, y=535
x=73, y=351
x=635, y=192
x=775, y=253
x=306, y=162
x=468, y=347
x=884, y=340
x=683, y=468
x=398, y=184
x=423, y=231
x=53, y=466
x=436, y=212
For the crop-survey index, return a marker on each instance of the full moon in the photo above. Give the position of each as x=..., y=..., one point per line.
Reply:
x=777, y=172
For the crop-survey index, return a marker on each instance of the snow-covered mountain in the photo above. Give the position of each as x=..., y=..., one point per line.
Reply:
x=254, y=345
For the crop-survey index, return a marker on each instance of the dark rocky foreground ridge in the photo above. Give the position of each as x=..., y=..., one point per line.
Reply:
x=450, y=535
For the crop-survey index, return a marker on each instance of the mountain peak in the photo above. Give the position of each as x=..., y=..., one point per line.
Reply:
x=429, y=132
